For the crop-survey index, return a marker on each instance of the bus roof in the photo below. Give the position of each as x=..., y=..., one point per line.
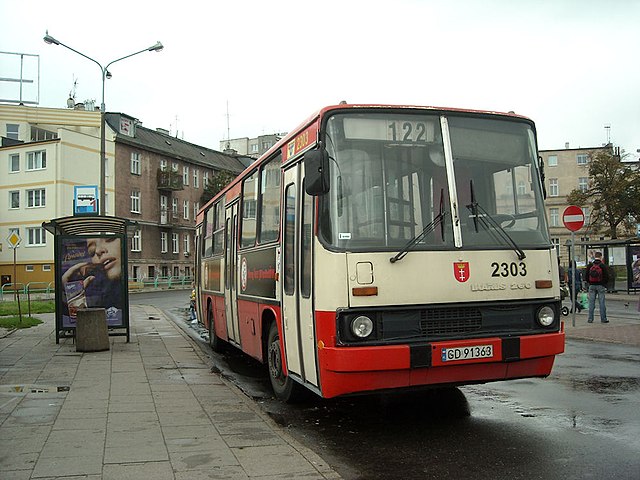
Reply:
x=344, y=106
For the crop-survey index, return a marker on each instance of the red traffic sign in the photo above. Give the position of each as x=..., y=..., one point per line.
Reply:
x=573, y=218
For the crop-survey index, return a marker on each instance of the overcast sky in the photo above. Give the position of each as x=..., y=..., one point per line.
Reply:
x=571, y=66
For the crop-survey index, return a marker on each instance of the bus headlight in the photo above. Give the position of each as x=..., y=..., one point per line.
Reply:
x=361, y=326
x=546, y=316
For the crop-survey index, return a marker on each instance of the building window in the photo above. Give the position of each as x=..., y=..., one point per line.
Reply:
x=174, y=207
x=14, y=199
x=254, y=148
x=176, y=271
x=163, y=242
x=163, y=164
x=522, y=188
x=136, y=241
x=556, y=243
x=553, y=161
x=187, y=271
x=587, y=215
x=46, y=268
x=38, y=134
x=135, y=201
x=13, y=131
x=174, y=166
x=36, y=198
x=36, y=237
x=36, y=160
x=175, y=243
x=29, y=268
x=185, y=210
x=151, y=271
x=265, y=146
x=14, y=163
x=185, y=175
x=195, y=178
x=554, y=217
x=196, y=208
x=205, y=179
x=583, y=184
x=186, y=243
x=135, y=163
x=553, y=187
x=582, y=158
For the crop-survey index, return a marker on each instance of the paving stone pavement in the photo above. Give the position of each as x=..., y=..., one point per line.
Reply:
x=150, y=408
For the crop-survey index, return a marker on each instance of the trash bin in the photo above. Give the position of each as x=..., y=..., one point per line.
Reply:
x=92, y=334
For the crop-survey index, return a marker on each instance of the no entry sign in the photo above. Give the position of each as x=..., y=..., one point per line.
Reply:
x=573, y=218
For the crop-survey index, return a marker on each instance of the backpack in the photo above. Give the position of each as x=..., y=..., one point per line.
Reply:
x=595, y=273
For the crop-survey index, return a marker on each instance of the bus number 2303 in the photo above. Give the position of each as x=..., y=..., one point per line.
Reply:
x=512, y=269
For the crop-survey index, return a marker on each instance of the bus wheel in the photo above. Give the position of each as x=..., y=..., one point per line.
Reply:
x=284, y=388
x=215, y=342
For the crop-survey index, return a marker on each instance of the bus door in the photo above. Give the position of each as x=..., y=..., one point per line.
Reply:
x=297, y=298
x=230, y=273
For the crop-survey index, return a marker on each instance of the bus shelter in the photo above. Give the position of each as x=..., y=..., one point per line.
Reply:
x=91, y=270
x=623, y=259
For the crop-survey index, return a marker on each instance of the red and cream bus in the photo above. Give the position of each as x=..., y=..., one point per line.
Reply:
x=383, y=247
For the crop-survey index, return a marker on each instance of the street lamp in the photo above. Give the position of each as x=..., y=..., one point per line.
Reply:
x=105, y=74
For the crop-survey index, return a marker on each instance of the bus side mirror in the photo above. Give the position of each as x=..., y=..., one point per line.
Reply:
x=316, y=172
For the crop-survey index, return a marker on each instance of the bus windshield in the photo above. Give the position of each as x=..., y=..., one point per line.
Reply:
x=390, y=184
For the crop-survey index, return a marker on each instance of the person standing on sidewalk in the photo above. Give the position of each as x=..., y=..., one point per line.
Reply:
x=597, y=277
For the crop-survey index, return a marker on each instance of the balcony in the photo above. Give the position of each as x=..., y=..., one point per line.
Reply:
x=169, y=180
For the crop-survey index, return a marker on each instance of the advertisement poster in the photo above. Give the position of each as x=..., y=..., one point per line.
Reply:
x=634, y=255
x=92, y=277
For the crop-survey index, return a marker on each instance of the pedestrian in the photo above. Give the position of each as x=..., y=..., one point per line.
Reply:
x=597, y=276
x=575, y=285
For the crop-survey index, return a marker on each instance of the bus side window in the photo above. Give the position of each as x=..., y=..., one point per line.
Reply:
x=269, y=211
x=289, y=239
x=249, y=210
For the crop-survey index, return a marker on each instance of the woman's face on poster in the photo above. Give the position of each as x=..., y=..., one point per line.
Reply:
x=105, y=251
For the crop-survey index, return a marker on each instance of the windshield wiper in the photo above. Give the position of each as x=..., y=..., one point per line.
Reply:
x=482, y=217
x=430, y=227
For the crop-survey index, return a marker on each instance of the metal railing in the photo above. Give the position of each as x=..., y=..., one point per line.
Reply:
x=47, y=290
x=161, y=282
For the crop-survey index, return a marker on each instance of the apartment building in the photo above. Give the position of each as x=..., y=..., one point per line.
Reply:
x=566, y=170
x=150, y=177
x=45, y=152
x=159, y=182
x=251, y=147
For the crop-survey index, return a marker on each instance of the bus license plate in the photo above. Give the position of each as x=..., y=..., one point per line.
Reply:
x=467, y=353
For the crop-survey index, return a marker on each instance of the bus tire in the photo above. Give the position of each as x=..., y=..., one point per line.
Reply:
x=215, y=342
x=284, y=388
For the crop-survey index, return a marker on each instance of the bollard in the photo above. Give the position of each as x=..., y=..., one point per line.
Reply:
x=91, y=330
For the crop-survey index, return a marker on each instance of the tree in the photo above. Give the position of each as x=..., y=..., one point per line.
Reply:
x=218, y=181
x=613, y=193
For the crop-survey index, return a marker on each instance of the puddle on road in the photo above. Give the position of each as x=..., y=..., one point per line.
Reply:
x=601, y=384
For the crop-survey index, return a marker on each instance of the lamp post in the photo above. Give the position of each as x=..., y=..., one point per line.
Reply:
x=105, y=74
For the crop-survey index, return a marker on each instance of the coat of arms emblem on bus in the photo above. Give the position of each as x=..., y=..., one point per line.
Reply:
x=461, y=271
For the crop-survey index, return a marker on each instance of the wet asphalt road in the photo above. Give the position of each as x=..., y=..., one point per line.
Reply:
x=582, y=422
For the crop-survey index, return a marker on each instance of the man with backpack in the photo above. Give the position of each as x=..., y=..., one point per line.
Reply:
x=597, y=277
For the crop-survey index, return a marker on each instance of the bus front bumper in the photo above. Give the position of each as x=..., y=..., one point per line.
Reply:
x=346, y=370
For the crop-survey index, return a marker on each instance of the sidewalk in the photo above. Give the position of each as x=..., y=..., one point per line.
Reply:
x=148, y=409
x=622, y=329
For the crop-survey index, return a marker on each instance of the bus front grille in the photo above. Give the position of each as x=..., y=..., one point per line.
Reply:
x=449, y=321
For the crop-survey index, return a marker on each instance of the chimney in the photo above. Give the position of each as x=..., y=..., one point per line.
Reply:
x=566, y=145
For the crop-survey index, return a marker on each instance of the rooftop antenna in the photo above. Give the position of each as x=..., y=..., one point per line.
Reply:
x=607, y=127
x=71, y=101
x=176, y=126
x=228, y=128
